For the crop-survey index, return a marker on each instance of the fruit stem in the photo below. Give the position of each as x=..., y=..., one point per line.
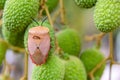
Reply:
x=111, y=46
x=4, y=66
x=55, y=15
x=62, y=11
x=7, y=68
x=42, y=3
x=91, y=73
x=96, y=37
x=111, y=57
x=40, y=13
x=22, y=50
x=48, y=15
x=26, y=67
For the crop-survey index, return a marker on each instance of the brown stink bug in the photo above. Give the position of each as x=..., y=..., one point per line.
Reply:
x=38, y=44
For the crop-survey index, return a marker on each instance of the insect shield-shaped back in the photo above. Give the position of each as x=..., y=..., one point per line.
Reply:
x=38, y=44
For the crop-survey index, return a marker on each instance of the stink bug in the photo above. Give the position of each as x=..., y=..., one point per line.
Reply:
x=38, y=44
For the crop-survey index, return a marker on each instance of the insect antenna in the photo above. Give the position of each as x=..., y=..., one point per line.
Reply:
x=35, y=21
x=43, y=20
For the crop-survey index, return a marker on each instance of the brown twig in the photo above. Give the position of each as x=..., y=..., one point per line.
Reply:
x=111, y=57
x=40, y=13
x=48, y=15
x=42, y=3
x=97, y=37
x=55, y=15
x=62, y=12
x=4, y=66
x=44, y=7
x=25, y=76
x=7, y=69
x=17, y=49
x=91, y=73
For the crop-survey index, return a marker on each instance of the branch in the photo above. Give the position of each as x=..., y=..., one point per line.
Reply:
x=97, y=37
x=62, y=11
x=48, y=15
x=98, y=66
x=55, y=15
x=25, y=77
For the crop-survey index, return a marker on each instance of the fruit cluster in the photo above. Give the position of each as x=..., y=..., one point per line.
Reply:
x=62, y=61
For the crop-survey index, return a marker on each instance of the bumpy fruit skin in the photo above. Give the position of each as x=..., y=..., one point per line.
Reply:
x=3, y=49
x=53, y=69
x=2, y=2
x=106, y=15
x=52, y=35
x=69, y=41
x=85, y=3
x=92, y=57
x=74, y=69
x=51, y=4
x=13, y=38
x=18, y=14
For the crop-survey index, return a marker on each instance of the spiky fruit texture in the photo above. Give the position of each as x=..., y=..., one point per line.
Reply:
x=52, y=36
x=106, y=15
x=2, y=2
x=74, y=69
x=18, y=14
x=13, y=38
x=51, y=4
x=92, y=57
x=69, y=41
x=3, y=49
x=53, y=69
x=85, y=3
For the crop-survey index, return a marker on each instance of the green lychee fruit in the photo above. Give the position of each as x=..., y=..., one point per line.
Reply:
x=69, y=41
x=13, y=38
x=85, y=3
x=3, y=49
x=92, y=57
x=2, y=2
x=74, y=69
x=53, y=69
x=106, y=15
x=52, y=35
x=18, y=14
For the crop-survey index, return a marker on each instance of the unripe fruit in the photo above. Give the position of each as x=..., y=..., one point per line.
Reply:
x=2, y=2
x=53, y=69
x=74, y=69
x=106, y=15
x=18, y=14
x=69, y=41
x=3, y=49
x=85, y=3
x=91, y=58
x=15, y=39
